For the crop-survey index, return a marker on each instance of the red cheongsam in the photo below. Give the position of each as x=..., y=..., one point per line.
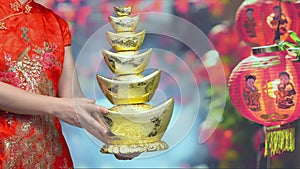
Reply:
x=32, y=41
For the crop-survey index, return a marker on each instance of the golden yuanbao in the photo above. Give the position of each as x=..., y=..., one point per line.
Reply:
x=123, y=10
x=124, y=24
x=130, y=92
x=139, y=126
x=135, y=126
x=127, y=62
x=126, y=41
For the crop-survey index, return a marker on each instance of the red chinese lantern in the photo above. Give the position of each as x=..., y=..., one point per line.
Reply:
x=226, y=41
x=264, y=88
x=257, y=20
x=215, y=7
x=225, y=38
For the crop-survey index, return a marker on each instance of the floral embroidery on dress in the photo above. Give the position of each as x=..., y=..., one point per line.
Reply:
x=65, y=165
x=7, y=128
x=25, y=32
x=27, y=8
x=28, y=72
x=2, y=26
x=15, y=6
x=31, y=58
x=46, y=55
x=9, y=78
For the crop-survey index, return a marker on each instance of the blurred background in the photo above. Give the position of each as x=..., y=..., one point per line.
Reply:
x=233, y=143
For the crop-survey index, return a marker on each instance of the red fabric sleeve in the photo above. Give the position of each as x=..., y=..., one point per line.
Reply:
x=67, y=37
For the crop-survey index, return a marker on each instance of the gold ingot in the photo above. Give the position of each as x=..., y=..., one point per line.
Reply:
x=127, y=62
x=138, y=90
x=123, y=10
x=137, y=128
x=129, y=77
x=125, y=23
x=126, y=41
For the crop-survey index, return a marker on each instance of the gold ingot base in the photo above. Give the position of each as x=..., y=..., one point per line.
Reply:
x=134, y=148
x=137, y=128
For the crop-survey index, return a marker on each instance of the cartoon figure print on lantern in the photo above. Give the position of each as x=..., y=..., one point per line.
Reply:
x=249, y=23
x=263, y=88
x=273, y=19
x=251, y=94
x=257, y=20
x=286, y=92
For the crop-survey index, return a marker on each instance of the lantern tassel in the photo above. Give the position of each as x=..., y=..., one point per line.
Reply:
x=279, y=139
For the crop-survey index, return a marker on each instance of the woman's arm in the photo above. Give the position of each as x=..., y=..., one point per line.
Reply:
x=19, y=101
x=75, y=111
x=69, y=87
x=69, y=84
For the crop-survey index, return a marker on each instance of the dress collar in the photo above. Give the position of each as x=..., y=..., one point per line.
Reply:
x=12, y=8
x=16, y=6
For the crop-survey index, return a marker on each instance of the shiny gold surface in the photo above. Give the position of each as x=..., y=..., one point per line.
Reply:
x=137, y=127
x=124, y=24
x=134, y=126
x=140, y=90
x=127, y=62
x=129, y=77
x=126, y=41
x=123, y=10
x=134, y=148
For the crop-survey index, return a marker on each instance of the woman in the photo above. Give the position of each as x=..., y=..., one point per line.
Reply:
x=37, y=86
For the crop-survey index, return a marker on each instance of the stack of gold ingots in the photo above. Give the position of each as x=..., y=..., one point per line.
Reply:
x=136, y=126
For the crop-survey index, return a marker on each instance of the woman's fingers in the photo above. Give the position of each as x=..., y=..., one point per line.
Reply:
x=103, y=110
x=96, y=128
x=91, y=101
x=99, y=118
x=91, y=118
x=92, y=107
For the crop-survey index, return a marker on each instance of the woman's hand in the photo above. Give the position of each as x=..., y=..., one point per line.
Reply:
x=82, y=112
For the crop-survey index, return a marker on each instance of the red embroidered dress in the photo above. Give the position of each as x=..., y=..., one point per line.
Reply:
x=32, y=41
